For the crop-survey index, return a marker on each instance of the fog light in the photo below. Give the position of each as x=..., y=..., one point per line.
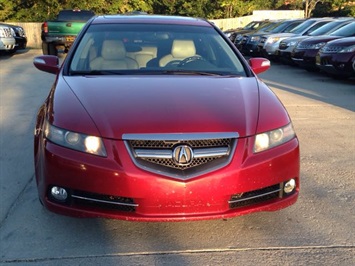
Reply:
x=59, y=193
x=289, y=186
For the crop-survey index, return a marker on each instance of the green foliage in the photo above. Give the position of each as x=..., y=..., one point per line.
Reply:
x=40, y=10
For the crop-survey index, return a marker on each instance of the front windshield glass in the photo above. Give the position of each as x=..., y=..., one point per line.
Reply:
x=153, y=49
x=346, y=31
x=302, y=27
x=326, y=28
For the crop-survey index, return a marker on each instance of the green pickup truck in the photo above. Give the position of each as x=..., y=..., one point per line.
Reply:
x=59, y=35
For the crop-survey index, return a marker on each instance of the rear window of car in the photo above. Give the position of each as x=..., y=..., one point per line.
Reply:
x=75, y=15
x=154, y=47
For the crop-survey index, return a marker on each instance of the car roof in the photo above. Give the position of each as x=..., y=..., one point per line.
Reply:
x=153, y=19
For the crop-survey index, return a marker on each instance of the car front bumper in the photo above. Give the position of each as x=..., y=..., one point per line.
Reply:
x=114, y=187
x=7, y=44
x=337, y=64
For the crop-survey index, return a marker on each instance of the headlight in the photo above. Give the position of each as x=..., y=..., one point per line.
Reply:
x=267, y=140
x=75, y=141
x=317, y=45
x=349, y=49
x=292, y=43
x=273, y=39
x=255, y=38
x=228, y=34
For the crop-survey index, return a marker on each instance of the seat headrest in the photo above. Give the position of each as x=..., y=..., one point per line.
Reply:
x=113, y=50
x=183, y=48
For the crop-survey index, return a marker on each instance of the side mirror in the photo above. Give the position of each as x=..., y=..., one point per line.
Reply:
x=259, y=64
x=47, y=63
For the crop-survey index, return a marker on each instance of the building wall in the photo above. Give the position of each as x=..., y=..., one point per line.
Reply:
x=33, y=30
x=232, y=23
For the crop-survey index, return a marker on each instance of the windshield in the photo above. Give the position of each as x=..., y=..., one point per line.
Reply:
x=327, y=28
x=302, y=27
x=346, y=31
x=153, y=49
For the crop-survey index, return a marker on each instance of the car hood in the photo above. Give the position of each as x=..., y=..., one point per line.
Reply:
x=296, y=39
x=168, y=104
x=281, y=35
x=348, y=41
x=322, y=38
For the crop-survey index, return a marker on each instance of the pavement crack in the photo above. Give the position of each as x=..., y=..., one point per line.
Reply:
x=15, y=202
x=178, y=252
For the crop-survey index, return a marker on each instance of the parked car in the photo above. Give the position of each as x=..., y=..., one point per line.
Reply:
x=232, y=34
x=7, y=39
x=239, y=39
x=285, y=27
x=272, y=42
x=305, y=52
x=193, y=135
x=59, y=34
x=287, y=46
x=255, y=41
x=337, y=58
x=247, y=42
x=20, y=36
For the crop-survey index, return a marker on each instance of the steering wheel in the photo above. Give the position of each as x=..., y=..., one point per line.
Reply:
x=173, y=63
x=191, y=59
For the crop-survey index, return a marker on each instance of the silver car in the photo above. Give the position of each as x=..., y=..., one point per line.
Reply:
x=7, y=39
x=272, y=42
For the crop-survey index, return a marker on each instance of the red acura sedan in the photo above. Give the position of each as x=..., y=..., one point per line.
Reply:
x=158, y=118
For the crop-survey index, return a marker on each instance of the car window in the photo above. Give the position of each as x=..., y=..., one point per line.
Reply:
x=326, y=28
x=152, y=48
x=315, y=27
x=346, y=31
x=305, y=25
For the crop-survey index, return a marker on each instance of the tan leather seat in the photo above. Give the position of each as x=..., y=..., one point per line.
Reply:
x=146, y=54
x=180, y=50
x=113, y=56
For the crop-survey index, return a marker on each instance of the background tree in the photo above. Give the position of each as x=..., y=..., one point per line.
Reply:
x=310, y=5
x=40, y=10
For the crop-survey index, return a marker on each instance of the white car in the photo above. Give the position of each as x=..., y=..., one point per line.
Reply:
x=7, y=39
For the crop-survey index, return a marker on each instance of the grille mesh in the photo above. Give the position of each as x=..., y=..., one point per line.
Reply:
x=168, y=166
x=332, y=49
x=156, y=144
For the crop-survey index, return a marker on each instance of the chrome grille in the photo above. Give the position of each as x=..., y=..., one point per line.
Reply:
x=332, y=49
x=301, y=45
x=103, y=201
x=156, y=144
x=256, y=196
x=158, y=152
x=7, y=32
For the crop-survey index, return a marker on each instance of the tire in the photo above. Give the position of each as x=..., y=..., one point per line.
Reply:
x=12, y=51
x=52, y=50
x=44, y=48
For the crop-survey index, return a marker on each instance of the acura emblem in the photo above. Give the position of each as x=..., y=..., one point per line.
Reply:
x=183, y=155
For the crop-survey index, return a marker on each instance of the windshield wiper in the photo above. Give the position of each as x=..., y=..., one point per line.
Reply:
x=95, y=72
x=189, y=72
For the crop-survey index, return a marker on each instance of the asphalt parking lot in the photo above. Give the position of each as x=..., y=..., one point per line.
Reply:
x=317, y=230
